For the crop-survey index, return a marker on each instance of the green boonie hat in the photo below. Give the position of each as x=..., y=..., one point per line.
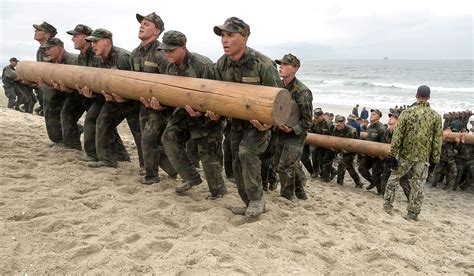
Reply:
x=172, y=40
x=318, y=112
x=233, y=25
x=80, y=29
x=46, y=27
x=53, y=41
x=289, y=59
x=152, y=17
x=99, y=34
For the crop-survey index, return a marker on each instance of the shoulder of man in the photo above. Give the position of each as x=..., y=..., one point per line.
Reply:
x=200, y=59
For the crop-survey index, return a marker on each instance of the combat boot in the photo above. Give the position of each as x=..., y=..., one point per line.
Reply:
x=411, y=216
x=387, y=208
x=187, y=185
x=150, y=180
x=256, y=208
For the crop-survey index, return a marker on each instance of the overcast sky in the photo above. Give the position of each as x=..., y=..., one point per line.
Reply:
x=362, y=29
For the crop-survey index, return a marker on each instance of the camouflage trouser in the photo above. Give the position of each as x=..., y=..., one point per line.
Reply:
x=74, y=106
x=306, y=160
x=247, y=145
x=25, y=97
x=448, y=169
x=111, y=115
x=10, y=93
x=420, y=173
x=465, y=170
x=289, y=148
x=90, y=125
x=367, y=163
x=404, y=180
x=192, y=152
x=52, y=115
x=347, y=163
x=209, y=147
x=152, y=125
x=317, y=155
x=227, y=156
x=267, y=168
x=326, y=164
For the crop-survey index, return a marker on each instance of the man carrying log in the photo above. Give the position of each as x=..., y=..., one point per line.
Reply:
x=103, y=117
x=54, y=49
x=186, y=123
x=375, y=133
x=416, y=141
x=75, y=104
x=43, y=32
x=147, y=57
x=249, y=139
x=341, y=129
x=290, y=139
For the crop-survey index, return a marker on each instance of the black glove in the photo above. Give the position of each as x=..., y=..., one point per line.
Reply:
x=392, y=163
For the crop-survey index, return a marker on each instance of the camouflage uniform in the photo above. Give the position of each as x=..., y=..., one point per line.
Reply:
x=54, y=99
x=42, y=57
x=465, y=166
x=322, y=158
x=75, y=104
x=387, y=171
x=8, y=80
x=289, y=146
x=227, y=151
x=347, y=161
x=375, y=133
x=447, y=166
x=150, y=59
x=416, y=140
x=269, y=177
x=247, y=142
x=109, y=138
x=182, y=127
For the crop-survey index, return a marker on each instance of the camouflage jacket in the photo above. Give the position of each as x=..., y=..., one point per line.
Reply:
x=87, y=58
x=41, y=55
x=193, y=66
x=324, y=127
x=418, y=135
x=118, y=59
x=252, y=68
x=449, y=151
x=8, y=76
x=387, y=136
x=375, y=132
x=148, y=59
x=67, y=58
x=304, y=99
x=347, y=132
x=465, y=152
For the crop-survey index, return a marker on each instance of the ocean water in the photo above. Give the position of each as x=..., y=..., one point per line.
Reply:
x=387, y=83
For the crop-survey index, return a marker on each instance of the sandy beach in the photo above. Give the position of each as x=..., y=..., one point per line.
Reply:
x=59, y=216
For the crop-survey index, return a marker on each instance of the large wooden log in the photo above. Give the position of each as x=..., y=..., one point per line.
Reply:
x=451, y=137
x=269, y=105
x=373, y=149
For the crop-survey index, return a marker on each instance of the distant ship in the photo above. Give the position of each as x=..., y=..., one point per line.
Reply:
x=385, y=58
